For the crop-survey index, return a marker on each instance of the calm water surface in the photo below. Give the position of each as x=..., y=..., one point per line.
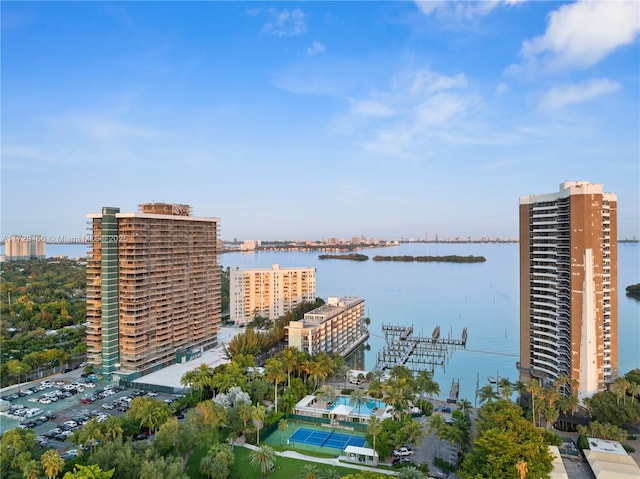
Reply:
x=484, y=297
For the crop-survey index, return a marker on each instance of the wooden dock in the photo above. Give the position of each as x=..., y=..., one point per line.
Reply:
x=454, y=392
x=416, y=352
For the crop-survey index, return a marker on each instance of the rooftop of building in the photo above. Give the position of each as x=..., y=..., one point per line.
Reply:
x=171, y=375
x=333, y=303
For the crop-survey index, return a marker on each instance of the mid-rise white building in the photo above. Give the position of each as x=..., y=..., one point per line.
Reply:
x=335, y=327
x=268, y=292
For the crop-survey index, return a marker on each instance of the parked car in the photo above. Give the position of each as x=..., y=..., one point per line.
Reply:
x=403, y=451
x=401, y=460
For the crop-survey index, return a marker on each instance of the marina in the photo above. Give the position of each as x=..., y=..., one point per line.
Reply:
x=482, y=297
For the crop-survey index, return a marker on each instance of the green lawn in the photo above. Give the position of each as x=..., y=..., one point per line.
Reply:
x=286, y=468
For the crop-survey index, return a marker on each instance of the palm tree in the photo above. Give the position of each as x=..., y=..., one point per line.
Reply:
x=357, y=398
x=262, y=458
x=330, y=474
x=321, y=368
x=91, y=434
x=399, y=395
x=487, y=394
x=327, y=393
x=290, y=357
x=533, y=388
x=275, y=372
x=52, y=463
x=306, y=366
x=619, y=388
x=31, y=470
x=309, y=471
x=506, y=388
x=374, y=427
x=92, y=471
x=375, y=388
x=198, y=379
x=112, y=429
x=550, y=398
x=282, y=427
x=634, y=390
x=426, y=385
x=568, y=404
x=208, y=465
x=258, y=413
x=150, y=413
x=412, y=432
x=464, y=406
x=149, y=469
x=17, y=369
x=244, y=412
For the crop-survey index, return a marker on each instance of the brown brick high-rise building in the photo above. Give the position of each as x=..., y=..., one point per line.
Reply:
x=568, y=286
x=153, y=288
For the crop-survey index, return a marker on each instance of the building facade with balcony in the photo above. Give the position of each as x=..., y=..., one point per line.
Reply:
x=568, y=286
x=335, y=327
x=268, y=292
x=153, y=288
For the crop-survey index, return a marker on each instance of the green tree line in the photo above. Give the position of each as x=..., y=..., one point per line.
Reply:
x=42, y=312
x=433, y=259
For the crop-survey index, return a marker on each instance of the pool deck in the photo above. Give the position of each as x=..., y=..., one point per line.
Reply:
x=313, y=406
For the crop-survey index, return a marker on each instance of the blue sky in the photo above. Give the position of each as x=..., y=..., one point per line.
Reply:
x=307, y=120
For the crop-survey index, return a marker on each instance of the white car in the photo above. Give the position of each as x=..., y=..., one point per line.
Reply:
x=403, y=451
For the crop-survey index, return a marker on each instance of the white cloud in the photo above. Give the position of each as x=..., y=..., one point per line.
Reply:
x=461, y=10
x=583, y=33
x=418, y=107
x=370, y=108
x=315, y=49
x=285, y=22
x=562, y=96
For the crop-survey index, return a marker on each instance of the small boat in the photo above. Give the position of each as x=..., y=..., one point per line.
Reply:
x=491, y=380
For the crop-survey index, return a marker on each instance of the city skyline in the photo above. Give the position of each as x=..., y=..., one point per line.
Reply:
x=314, y=120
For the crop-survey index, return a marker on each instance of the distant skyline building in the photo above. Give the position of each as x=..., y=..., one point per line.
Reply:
x=569, y=286
x=20, y=247
x=335, y=327
x=269, y=292
x=153, y=288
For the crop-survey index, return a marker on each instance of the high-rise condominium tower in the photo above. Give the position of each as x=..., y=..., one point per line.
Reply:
x=269, y=292
x=24, y=248
x=153, y=288
x=568, y=286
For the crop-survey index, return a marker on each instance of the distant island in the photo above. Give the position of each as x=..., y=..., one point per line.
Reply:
x=352, y=257
x=433, y=259
x=633, y=291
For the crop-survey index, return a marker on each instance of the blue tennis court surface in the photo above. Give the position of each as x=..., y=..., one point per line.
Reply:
x=330, y=439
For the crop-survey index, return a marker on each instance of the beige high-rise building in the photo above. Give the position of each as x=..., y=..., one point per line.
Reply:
x=24, y=248
x=268, y=292
x=335, y=327
x=153, y=288
x=569, y=286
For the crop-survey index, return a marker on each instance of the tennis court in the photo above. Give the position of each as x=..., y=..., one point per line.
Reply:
x=330, y=439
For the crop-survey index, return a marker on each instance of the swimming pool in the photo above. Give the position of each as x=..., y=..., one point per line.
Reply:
x=366, y=408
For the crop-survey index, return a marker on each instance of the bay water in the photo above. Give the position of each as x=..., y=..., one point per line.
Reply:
x=483, y=297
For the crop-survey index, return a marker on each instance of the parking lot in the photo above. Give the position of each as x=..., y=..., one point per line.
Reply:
x=56, y=407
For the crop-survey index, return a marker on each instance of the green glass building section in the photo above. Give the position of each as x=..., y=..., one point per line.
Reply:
x=109, y=274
